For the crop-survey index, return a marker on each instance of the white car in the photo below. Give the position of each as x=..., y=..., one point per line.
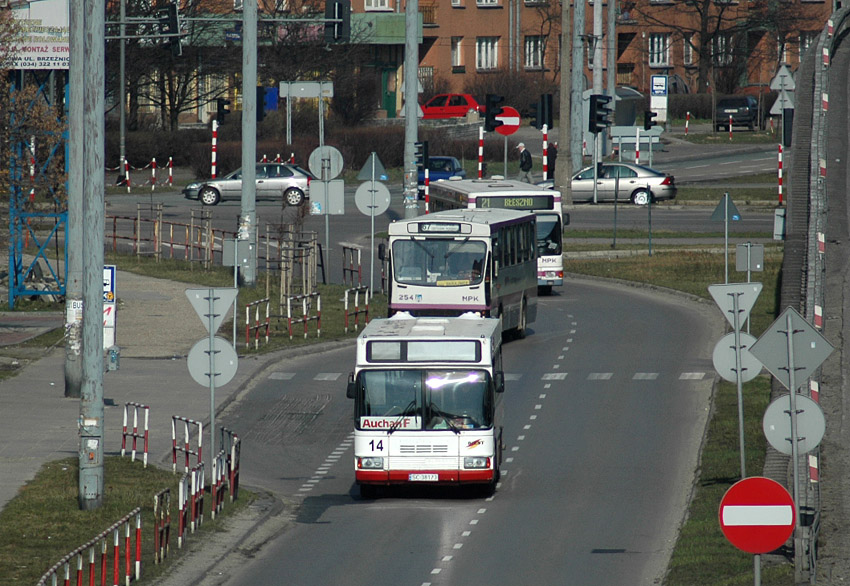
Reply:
x=636, y=184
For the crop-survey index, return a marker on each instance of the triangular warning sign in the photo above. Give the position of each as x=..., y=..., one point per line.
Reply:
x=732, y=296
x=212, y=304
x=726, y=210
x=373, y=169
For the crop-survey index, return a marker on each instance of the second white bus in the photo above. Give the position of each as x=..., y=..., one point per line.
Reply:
x=510, y=194
x=453, y=262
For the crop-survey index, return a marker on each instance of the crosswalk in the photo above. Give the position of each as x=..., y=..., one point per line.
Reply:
x=548, y=376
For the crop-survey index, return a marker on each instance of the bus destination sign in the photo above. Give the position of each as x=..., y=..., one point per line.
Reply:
x=521, y=202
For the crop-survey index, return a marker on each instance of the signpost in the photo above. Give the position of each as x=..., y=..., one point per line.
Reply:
x=758, y=516
x=372, y=199
x=510, y=120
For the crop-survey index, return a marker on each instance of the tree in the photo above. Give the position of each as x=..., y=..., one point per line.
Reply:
x=725, y=36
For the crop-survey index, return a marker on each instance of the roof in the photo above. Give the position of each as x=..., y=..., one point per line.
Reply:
x=405, y=326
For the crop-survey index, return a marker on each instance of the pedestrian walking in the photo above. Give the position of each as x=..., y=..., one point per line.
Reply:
x=524, y=163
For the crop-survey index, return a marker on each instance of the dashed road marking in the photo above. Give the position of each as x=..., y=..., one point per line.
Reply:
x=600, y=376
x=645, y=376
x=692, y=376
x=282, y=376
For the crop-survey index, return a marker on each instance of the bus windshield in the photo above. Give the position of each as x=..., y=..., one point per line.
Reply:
x=439, y=262
x=444, y=399
x=548, y=234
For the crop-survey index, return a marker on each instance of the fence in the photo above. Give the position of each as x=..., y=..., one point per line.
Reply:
x=187, y=425
x=135, y=433
x=232, y=447
x=161, y=525
x=86, y=572
x=351, y=266
x=306, y=304
x=190, y=501
x=257, y=324
x=357, y=311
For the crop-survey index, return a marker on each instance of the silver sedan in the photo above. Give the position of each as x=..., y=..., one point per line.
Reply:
x=277, y=181
x=631, y=183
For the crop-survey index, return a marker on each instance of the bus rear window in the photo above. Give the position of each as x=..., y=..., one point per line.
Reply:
x=424, y=351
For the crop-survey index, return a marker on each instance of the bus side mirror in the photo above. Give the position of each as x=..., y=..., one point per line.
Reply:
x=566, y=219
x=500, y=381
x=382, y=251
x=351, y=388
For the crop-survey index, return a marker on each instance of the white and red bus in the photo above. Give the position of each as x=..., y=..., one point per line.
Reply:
x=452, y=194
x=427, y=402
x=452, y=262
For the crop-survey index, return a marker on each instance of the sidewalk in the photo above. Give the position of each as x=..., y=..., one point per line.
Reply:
x=156, y=327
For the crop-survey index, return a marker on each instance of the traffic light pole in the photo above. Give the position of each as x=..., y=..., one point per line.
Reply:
x=411, y=106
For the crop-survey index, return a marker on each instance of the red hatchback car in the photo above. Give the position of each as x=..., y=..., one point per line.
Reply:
x=450, y=106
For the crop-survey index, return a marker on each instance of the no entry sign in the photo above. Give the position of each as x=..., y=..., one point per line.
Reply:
x=757, y=515
x=510, y=121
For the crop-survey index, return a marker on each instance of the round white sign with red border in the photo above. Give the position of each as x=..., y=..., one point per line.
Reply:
x=510, y=121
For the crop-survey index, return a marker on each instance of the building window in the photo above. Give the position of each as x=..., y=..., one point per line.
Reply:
x=659, y=50
x=487, y=2
x=457, y=54
x=377, y=4
x=807, y=39
x=486, y=53
x=722, y=50
x=688, y=51
x=457, y=3
x=534, y=51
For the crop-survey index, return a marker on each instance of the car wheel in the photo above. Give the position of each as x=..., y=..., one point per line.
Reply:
x=640, y=197
x=293, y=197
x=209, y=196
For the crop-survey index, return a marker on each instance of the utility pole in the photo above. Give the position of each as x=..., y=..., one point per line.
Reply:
x=563, y=162
x=577, y=79
x=411, y=106
x=91, y=481
x=248, y=218
x=74, y=284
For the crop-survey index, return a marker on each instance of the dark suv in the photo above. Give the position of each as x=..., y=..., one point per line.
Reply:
x=744, y=111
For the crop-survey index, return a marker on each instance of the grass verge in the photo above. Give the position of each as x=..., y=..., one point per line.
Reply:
x=702, y=554
x=43, y=523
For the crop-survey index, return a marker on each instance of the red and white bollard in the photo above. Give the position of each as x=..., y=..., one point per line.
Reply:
x=687, y=122
x=545, y=152
x=170, y=172
x=480, y=152
x=127, y=174
x=427, y=192
x=214, y=141
x=637, y=145
x=730, y=126
x=779, y=171
x=153, y=173
x=292, y=158
x=277, y=158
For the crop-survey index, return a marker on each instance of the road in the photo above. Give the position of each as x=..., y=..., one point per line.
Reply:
x=603, y=438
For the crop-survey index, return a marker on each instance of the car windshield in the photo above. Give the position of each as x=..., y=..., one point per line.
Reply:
x=548, y=234
x=431, y=399
x=439, y=262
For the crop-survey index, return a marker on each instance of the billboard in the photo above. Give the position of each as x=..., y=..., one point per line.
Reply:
x=46, y=43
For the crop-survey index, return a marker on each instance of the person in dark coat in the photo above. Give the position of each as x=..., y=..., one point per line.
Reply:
x=524, y=163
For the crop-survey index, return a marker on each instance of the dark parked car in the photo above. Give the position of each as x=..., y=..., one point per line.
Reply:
x=440, y=167
x=743, y=110
x=277, y=181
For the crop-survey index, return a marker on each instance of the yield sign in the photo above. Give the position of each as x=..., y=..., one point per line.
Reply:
x=510, y=121
x=726, y=210
x=757, y=515
x=809, y=348
x=221, y=298
x=783, y=80
x=726, y=295
x=783, y=102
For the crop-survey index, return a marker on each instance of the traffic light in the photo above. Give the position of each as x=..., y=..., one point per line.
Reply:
x=546, y=111
x=493, y=109
x=170, y=26
x=535, y=116
x=221, y=109
x=337, y=21
x=261, y=103
x=599, y=120
x=787, y=125
x=648, y=121
x=420, y=152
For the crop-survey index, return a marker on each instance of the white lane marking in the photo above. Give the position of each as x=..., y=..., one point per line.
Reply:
x=554, y=376
x=600, y=376
x=281, y=376
x=327, y=376
x=645, y=376
x=692, y=376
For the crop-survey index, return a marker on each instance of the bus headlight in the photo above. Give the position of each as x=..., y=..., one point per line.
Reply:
x=373, y=463
x=470, y=462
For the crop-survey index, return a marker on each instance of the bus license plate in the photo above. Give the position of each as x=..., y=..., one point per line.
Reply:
x=423, y=477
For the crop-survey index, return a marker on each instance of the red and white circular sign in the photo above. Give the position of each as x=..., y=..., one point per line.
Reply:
x=510, y=121
x=757, y=515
